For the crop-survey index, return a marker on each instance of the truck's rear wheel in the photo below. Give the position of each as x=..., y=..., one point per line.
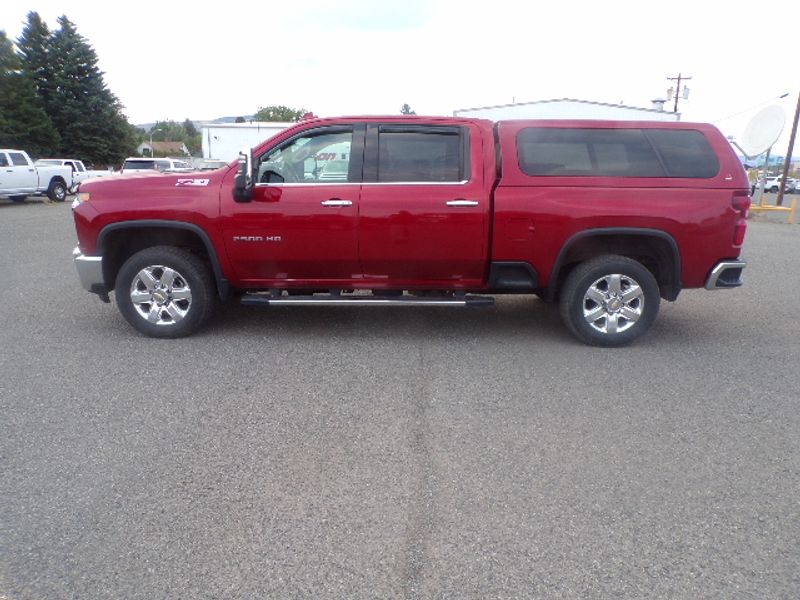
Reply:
x=57, y=192
x=165, y=292
x=609, y=301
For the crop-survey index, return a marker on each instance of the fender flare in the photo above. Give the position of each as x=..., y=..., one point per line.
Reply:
x=671, y=293
x=223, y=286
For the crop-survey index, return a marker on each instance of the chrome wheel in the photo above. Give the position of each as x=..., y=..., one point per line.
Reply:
x=160, y=295
x=613, y=303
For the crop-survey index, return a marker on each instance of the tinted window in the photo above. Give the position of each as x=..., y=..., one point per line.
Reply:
x=685, y=152
x=417, y=156
x=615, y=153
x=3, y=160
x=18, y=159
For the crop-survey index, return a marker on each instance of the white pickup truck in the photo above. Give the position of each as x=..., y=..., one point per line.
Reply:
x=79, y=170
x=20, y=178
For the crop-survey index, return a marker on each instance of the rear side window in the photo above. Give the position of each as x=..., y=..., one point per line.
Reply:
x=18, y=159
x=418, y=155
x=685, y=152
x=571, y=152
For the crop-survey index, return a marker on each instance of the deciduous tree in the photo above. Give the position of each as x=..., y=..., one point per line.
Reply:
x=280, y=113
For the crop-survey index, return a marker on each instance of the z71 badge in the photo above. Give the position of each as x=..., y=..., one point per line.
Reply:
x=192, y=182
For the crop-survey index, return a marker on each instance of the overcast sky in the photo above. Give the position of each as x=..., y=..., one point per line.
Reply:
x=173, y=60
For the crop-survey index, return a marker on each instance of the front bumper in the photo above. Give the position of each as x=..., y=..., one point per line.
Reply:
x=726, y=274
x=90, y=272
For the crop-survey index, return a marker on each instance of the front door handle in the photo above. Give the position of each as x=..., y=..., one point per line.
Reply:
x=462, y=202
x=336, y=202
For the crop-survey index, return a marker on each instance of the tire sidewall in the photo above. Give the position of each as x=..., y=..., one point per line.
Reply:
x=584, y=276
x=190, y=268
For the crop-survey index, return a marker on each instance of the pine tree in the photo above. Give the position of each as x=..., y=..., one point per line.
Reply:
x=35, y=52
x=23, y=122
x=88, y=116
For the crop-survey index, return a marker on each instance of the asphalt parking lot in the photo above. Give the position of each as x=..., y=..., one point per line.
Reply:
x=385, y=453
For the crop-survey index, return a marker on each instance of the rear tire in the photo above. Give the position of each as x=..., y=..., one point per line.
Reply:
x=57, y=191
x=165, y=292
x=609, y=301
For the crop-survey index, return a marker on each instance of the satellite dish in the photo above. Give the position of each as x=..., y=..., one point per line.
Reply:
x=763, y=131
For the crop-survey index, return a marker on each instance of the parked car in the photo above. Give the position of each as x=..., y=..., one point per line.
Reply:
x=606, y=218
x=163, y=165
x=20, y=178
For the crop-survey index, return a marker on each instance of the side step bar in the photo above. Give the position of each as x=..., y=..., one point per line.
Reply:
x=267, y=299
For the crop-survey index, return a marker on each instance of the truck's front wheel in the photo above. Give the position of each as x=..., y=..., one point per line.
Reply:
x=609, y=300
x=165, y=292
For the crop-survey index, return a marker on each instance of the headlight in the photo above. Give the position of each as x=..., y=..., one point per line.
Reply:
x=80, y=197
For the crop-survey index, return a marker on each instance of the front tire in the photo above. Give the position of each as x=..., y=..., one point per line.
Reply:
x=609, y=301
x=165, y=292
x=57, y=191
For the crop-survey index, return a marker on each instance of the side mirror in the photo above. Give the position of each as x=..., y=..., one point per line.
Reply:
x=243, y=184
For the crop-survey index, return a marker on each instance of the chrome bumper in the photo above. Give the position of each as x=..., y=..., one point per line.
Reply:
x=726, y=274
x=90, y=272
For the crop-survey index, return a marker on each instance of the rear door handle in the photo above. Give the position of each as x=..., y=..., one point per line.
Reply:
x=336, y=202
x=462, y=202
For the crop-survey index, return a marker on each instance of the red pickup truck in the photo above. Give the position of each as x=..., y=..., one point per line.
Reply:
x=605, y=218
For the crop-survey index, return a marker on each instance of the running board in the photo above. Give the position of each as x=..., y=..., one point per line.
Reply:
x=266, y=299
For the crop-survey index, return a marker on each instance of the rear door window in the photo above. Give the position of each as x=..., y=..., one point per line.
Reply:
x=420, y=154
x=18, y=159
x=578, y=152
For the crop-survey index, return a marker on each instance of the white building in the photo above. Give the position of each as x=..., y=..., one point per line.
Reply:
x=224, y=141
x=566, y=108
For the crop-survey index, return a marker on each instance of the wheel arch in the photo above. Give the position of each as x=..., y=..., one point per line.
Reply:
x=655, y=248
x=118, y=241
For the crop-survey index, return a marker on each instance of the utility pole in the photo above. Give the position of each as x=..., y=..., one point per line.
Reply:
x=788, y=160
x=678, y=79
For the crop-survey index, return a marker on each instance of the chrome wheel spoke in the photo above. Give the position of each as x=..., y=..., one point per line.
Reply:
x=147, y=279
x=141, y=297
x=595, y=313
x=630, y=314
x=612, y=323
x=632, y=293
x=596, y=295
x=174, y=312
x=167, y=277
x=154, y=315
x=182, y=294
x=614, y=283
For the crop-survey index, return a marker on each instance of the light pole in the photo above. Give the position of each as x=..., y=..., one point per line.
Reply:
x=152, y=131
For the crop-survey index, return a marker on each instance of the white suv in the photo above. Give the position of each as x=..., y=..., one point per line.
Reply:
x=773, y=184
x=163, y=165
